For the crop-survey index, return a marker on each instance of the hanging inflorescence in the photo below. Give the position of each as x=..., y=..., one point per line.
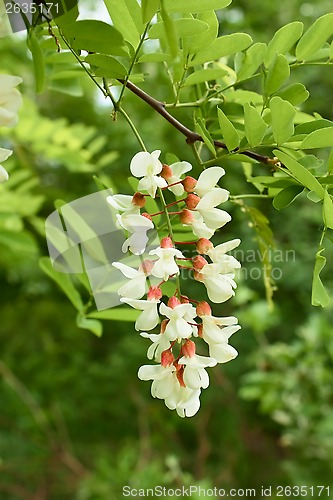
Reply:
x=179, y=373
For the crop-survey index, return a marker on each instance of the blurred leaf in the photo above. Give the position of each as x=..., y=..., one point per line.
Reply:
x=183, y=27
x=328, y=210
x=149, y=9
x=96, y=36
x=283, y=114
x=286, y=196
x=107, y=66
x=221, y=47
x=170, y=30
x=38, y=61
x=204, y=75
x=202, y=130
x=315, y=37
x=278, y=72
x=322, y=138
x=63, y=280
x=319, y=295
x=126, y=18
x=301, y=173
x=255, y=126
x=93, y=325
x=192, y=44
x=229, y=133
x=117, y=314
x=330, y=163
x=195, y=6
x=283, y=40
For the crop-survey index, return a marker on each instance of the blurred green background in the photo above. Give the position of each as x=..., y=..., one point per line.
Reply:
x=75, y=422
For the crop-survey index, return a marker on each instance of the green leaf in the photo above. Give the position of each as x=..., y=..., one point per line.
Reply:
x=64, y=282
x=319, y=296
x=286, y=196
x=221, y=47
x=330, y=163
x=255, y=126
x=254, y=56
x=315, y=37
x=283, y=114
x=322, y=138
x=149, y=9
x=296, y=93
x=38, y=61
x=126, y=18
x=191, y=45
x=107, y=66
x=170, y=31
x=328, y=210
x=96, y=36
x=116, y=314
x=195, y=6
x=93, y=325
x=283, y=40
x=202, y=130
x=155, y=57
x=205, y=75
x=278, y=72
x=300, y=173
x=183, y=27
x=229, y=133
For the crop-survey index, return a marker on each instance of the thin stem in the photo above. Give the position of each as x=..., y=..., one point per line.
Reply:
x=240, y=196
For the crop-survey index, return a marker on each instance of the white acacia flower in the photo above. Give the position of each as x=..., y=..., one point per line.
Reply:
x=148, y=166
x=179, y=316
x=4, y=154
x=195, y=375
x=178, y=169
x=166, y=265
x=164, y=381
x=216, y=332
x=136, y=287
x=222, y=352
x=10, y=100
x=184, y=400
x=208, y=179
x=159, y=344
x=199, y=228
x=138, y=226
x=218, y=255
x=149, y=317
x=213, y=217
x=123, y=203
x=220, y=286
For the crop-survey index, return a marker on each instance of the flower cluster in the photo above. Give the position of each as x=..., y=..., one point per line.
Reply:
x=180, y=373
x=10, y=101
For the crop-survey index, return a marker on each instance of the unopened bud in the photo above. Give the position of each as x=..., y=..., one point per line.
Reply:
x=154, y=293
x=186, y=216
x=180, y=374
x=192, y=201
x=146, y=266
x=184, y=299
x=173, y=302
x=166, y=172
x=188, y=349
x=139, y=200
x=203, y=245
x=197, y=276
x=199, y=262
x=166, y=242
x=203, y=309
x=148, y=216
x=200, y=331
x=189, y=183
x=167, y=358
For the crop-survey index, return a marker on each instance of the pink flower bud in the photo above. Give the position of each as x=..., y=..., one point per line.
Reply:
x=189, y=183
x=192, y=200
x=186, y=217
x=164, y=325
x=188, y=349
x=173, y=302
x=203, y=245
x=203, y=309
x=139, y=200
x=199, y=262
x=184, y=299
x=146, y=266
x=167, y=358
x=166, y=242
x=154, y=293
x=198, y=276
x=166, y=172
x=145, y=214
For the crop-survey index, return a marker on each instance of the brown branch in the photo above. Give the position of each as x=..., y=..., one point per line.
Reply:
x=191, y=137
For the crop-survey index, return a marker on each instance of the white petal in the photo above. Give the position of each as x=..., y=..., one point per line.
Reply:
x=222, y=352
x=180, y=167
x=120, y=201
x=208, y=179
x=213, y=199
x=215, y=218
x=3, y=174
x=134, y=289
x=127, y=271
x=4, y=154
x=144, y=163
